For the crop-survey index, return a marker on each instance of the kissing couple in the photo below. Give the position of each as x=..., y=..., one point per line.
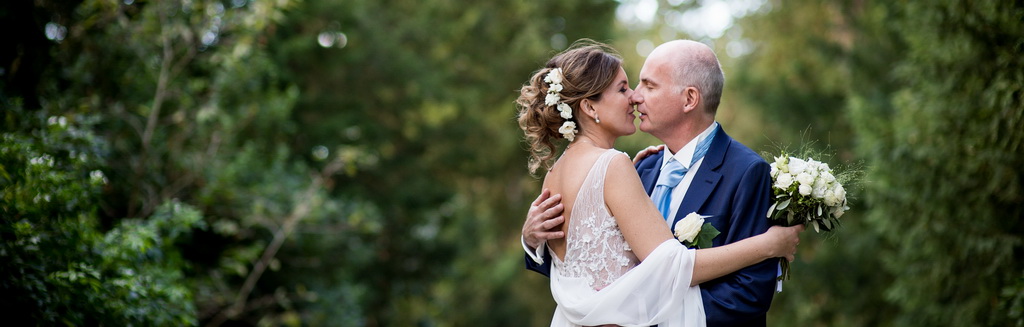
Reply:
x=604, y=238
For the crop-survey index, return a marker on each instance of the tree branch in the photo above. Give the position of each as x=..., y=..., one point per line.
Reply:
x=298, y=213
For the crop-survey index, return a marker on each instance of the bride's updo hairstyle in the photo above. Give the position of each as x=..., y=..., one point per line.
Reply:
x=588, y=67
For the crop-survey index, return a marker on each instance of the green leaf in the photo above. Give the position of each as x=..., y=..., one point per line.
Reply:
x=784, y=204
x=706, y=235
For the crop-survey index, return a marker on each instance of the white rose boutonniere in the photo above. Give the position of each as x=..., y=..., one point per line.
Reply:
x=693, y=232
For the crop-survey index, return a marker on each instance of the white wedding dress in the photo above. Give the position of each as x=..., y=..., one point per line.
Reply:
x=600, y=281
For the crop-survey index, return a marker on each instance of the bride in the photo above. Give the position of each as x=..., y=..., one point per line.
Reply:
x=619, y=263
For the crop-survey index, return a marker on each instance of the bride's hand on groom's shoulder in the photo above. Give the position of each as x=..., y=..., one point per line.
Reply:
x=651, y=150
x=543, y=220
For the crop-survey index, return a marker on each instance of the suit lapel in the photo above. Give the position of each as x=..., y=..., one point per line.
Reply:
x=649, y=176
x=707, y=176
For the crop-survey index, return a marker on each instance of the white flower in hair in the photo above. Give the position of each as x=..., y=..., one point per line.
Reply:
x=565, y=110
x=555, y=88
x=554, y=77
x=552, y=99
x=568, y=130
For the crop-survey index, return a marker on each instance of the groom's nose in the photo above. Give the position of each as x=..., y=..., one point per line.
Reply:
x=636, y=97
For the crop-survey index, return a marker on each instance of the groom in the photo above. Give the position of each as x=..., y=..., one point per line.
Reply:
x=680, y=87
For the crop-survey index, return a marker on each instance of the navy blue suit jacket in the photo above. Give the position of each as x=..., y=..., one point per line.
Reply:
x=733, y=186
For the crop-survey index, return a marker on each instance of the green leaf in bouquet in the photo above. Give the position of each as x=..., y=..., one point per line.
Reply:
x=816, y=228
x=705, y=236
x=771, y=209
x=819, y=210
x=784, y=204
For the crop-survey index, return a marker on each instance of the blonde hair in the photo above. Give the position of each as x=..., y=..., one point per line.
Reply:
x=588, y=67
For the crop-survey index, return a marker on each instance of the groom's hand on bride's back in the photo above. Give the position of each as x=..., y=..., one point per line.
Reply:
x=544, y=220
x=649, y=151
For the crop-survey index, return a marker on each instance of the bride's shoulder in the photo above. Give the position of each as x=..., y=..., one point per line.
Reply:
x=620, y=163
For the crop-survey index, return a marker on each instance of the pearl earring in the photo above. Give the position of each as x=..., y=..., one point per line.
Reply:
x=598, y=120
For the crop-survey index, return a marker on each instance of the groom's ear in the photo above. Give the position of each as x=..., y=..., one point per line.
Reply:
x=691, y=99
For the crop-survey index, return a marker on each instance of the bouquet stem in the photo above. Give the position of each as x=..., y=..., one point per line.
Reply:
x=784, y=264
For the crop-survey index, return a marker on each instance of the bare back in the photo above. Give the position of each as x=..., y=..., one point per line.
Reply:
x=594, y=248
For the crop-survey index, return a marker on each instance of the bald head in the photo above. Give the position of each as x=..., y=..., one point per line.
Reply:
x=693, y=64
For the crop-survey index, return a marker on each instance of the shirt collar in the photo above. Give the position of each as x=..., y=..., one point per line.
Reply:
x=685, y=155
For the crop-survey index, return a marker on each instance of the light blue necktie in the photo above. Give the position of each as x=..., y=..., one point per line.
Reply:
x=672, y=174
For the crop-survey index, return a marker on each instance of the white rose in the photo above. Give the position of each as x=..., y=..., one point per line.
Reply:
x=813, y=170
x=839, y=192
x=805, y=190
x=805, y=179
x=552, y=99
x=784, y=181
x=555, y=88
x=686, y=229
x=554, y=77
x=828, y=177
x=830, y=198
x=820, y=188
x=568, y=130
x=775, y=170
x=797, y=166
x=565, y=110
x=824, y=167
x=816, y=166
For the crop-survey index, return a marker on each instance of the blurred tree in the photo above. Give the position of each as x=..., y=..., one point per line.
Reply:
x=799, y=80
x=931, y=92
x=192, y=112
x=947, y=191
x=56, y=267
x=357, y=163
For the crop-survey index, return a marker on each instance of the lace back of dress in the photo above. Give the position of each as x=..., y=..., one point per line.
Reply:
x=595, y=248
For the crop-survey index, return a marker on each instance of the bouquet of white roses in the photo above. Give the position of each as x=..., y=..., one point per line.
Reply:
x=806, y=192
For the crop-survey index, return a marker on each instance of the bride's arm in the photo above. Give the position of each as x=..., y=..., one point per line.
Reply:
x=639, y=221
x=719, y=261
x=644, y=229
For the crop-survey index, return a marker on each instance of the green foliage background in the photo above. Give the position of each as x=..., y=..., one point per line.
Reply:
x=357, y=163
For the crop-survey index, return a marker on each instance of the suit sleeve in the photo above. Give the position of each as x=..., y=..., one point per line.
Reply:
x=743, y=297
x=542, y=268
